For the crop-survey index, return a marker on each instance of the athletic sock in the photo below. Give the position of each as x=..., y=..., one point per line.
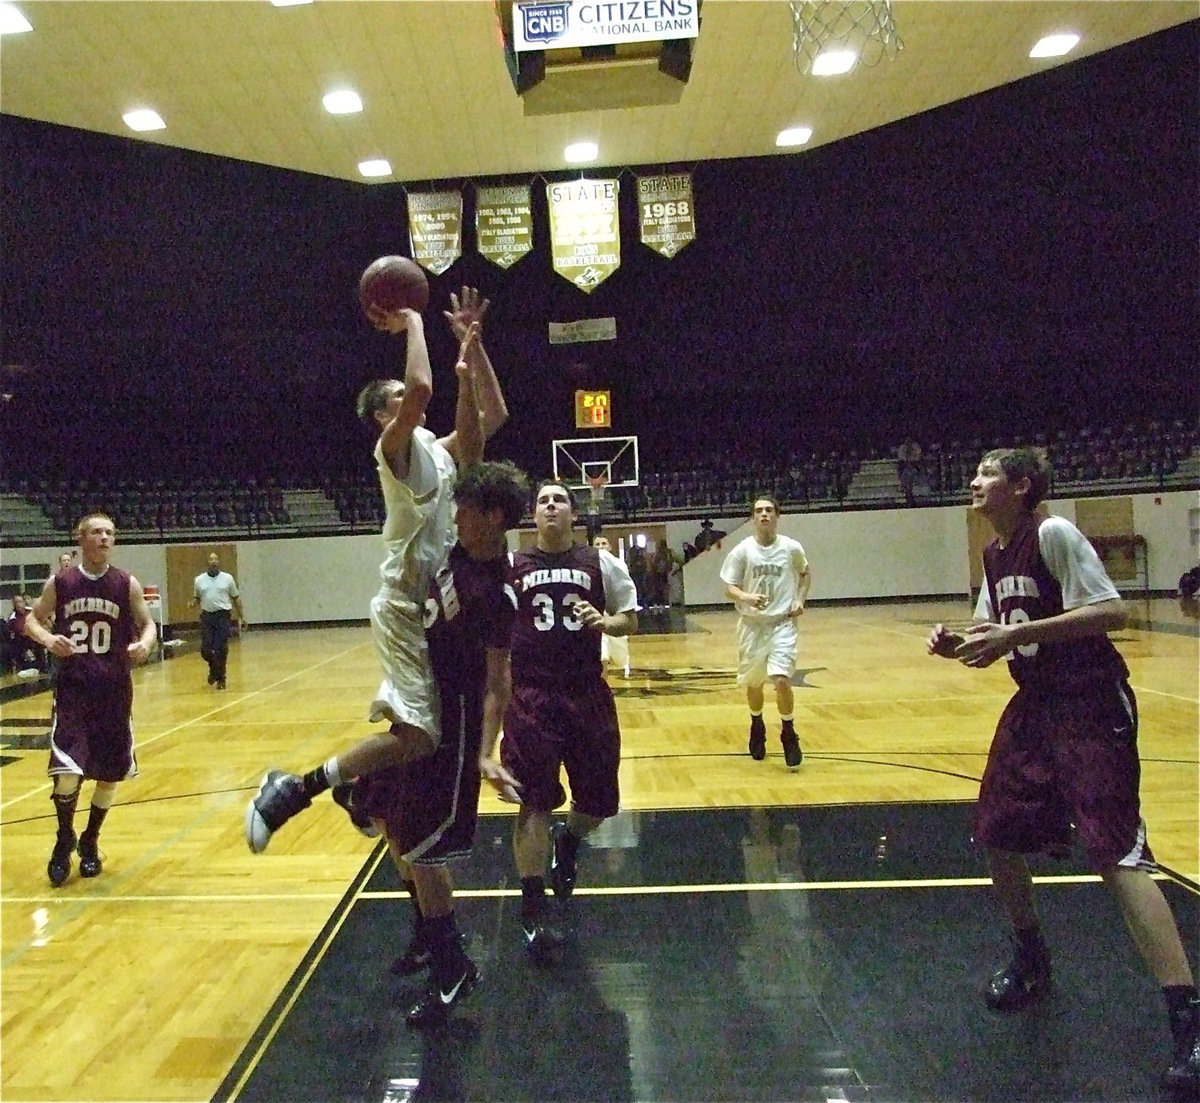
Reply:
x=570, y=842
x=533, y=897
x=322, y=778
x=64, y=809
x=95, y=822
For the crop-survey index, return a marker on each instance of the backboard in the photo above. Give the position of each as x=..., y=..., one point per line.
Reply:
x=577, y=461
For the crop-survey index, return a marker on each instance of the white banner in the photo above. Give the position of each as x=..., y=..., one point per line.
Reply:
x=586, y=329
x=562, y=24
x=666, y=212
x=435, y=229
x=585, y=235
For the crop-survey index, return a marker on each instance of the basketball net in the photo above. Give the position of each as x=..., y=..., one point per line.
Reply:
x=866, y=27
x=596, y=485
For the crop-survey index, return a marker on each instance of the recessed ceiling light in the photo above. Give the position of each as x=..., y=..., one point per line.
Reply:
x=143, y=119
x=378, y=167
x=832, y=63
x=1054, y=45
x=578, y=152
x=794, y=136
x=12, y=21
x=342, y=102
x=289, y=3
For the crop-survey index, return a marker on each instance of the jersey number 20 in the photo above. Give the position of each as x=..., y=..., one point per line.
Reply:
x=95, y=637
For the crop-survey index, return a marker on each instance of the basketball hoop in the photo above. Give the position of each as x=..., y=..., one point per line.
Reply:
x=835, y=36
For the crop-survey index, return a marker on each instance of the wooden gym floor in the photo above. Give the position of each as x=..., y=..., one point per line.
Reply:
x=740, y=931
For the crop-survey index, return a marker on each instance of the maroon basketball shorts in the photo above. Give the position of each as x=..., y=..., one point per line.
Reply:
x=92, y=733
x=429, y=806
x=1066, y=761
x=575, y=726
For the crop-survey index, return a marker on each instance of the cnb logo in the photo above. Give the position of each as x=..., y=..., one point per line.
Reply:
x=544, y=22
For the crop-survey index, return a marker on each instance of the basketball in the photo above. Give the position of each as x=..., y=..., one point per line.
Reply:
x=393, y=283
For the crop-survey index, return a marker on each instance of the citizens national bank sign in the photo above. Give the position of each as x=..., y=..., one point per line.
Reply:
x=573, y=23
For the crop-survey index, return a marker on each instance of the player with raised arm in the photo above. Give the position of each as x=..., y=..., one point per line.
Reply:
x=417, y=474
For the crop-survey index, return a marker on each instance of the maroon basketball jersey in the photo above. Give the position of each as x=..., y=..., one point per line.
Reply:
x=94, y=614
x=1022, y=588
x=550, y=645
x=469, y=610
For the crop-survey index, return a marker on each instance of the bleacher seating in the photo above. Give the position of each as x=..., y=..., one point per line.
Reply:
x=1088, y=461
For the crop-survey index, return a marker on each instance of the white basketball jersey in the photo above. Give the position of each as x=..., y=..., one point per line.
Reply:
x=773, y=569
x=419, y=528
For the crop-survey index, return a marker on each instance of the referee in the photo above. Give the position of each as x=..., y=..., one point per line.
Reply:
x=217, y=595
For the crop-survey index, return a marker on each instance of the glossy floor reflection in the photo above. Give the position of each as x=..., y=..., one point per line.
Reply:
x=784, y=954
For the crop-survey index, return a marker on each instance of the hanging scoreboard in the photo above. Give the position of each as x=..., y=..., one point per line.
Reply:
x=593, y=409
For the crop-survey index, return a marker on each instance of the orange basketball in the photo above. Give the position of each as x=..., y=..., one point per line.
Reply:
x=393, y=283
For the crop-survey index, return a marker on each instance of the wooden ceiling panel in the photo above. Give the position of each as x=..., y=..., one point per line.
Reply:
x=246, y=79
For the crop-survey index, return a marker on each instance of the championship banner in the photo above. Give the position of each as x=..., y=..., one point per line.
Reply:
x=586, y=329
x=666, y=212
x=435, y=226
x=503, y=224
x=585, y=234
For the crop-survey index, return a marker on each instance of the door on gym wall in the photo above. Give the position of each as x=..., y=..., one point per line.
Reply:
x=184, y=562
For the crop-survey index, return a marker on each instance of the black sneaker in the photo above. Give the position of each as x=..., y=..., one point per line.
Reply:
x=562, y=863
x=543, y=943
x=346, y=795
x=792, y=754
x=1023, y=980
x=413, y=960
x=58, y=869
x=1182, y=1078
x=212, y=678
x=280, y=797
x=90, y=863
x=758, y=738
x=436, y=1004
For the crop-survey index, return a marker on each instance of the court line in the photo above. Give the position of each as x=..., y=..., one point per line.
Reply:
x=298, y=981
x=373, y=862
x=141, y=745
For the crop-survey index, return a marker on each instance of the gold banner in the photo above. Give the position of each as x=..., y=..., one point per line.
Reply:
x=435, y=226
x=503, y=224
x=666, y=212
x=585, y=234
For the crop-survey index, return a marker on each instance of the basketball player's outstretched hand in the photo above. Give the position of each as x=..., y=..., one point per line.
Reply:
x=983, y=644
x=508, y=789
x=943, y=642
x=466, y=307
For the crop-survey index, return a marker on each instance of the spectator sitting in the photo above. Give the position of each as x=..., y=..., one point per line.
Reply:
x=1189, y=593
x=25, y=657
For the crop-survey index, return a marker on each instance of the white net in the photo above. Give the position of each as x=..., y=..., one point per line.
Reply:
x=865, y=27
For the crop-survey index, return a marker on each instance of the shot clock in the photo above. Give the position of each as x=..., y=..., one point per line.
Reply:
x=593, y=409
